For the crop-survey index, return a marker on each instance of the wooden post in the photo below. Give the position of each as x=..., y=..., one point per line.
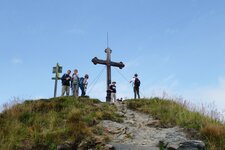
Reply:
x=56, y=70
x=56, y=80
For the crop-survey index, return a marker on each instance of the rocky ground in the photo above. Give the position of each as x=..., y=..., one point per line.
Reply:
x=142, y=132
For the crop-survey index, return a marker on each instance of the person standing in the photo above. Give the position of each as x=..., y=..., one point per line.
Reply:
x=75, y=83
x=83, y=84
x=112, y=89
x=66, y=78
x=136, y=84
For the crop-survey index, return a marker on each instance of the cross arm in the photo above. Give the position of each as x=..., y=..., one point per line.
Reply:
x=98, y=61
x=116, y=64
x=104, y=62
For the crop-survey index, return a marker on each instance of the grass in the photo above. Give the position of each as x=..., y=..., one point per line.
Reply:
x=173, y=113
x=44, y=124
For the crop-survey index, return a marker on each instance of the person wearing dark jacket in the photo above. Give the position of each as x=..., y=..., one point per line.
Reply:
x=66, y=78
x=136, y=84
x=112, y=89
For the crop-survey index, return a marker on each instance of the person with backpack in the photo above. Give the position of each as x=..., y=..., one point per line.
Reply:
x=83, y=84
x=136, y=84
x=75, y=83
x=66, y=78
x=112, y=89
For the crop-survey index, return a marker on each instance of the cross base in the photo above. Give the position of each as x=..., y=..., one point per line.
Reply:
x=108, y=96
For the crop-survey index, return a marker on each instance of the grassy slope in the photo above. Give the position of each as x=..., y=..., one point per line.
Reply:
x=44, y=124
x=174, y=113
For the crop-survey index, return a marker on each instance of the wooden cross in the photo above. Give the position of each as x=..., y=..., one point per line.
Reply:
x=108, y=63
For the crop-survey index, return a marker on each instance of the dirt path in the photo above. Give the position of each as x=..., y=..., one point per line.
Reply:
x=140, y=132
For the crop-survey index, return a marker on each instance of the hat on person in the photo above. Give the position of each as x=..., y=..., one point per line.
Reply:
x=114, y=82
x=86, y=76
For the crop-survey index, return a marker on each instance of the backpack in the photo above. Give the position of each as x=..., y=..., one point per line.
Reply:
x=137, y=82
x=81, y=80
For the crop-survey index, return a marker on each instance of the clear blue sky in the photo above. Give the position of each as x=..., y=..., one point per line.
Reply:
x=177, y=46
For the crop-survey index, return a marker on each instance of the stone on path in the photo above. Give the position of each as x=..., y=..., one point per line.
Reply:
x=133, y=147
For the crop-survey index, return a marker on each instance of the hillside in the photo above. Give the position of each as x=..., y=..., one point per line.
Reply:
x=81, y=123
x=48, y=123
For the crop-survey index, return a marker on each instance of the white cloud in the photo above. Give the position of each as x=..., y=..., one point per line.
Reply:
x=215, y=94
x=210, y=98
x=16, y=61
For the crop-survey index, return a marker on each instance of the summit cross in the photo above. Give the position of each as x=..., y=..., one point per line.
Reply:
x=108, y=63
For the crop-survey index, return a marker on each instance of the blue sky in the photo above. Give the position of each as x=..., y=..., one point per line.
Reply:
x=177, y=46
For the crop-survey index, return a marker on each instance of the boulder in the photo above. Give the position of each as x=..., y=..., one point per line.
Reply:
x=192, y=145
x=186, y=145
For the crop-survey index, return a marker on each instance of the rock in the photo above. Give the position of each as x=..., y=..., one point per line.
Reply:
x=99, y=140
x=192, y=133
x=87, y=144
x=83, y=145
x=172, y=146
x=192, y=145
x=153, y=123
x=186, y=145
x=62, y=147
x=121, y=114
x=131, y=122
x=109, y=147
x=66, y=146
x=133, y=147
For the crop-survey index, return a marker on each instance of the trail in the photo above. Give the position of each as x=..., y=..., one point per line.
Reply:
x=141, y=132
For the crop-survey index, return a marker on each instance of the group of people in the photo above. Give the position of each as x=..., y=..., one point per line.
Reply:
x=74, y=83
x=136, y=86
